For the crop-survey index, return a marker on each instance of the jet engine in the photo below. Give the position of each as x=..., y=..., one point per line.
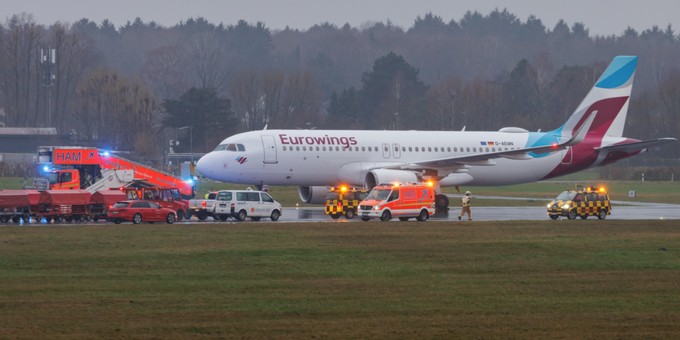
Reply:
x=386, y=176
x=313, y=195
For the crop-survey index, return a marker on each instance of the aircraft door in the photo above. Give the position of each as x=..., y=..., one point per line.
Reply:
x=395, y=150
x=386, y=150
x=269, y=146
x=567, y=156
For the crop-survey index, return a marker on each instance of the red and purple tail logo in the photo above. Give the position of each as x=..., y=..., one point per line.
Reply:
x=241, y=160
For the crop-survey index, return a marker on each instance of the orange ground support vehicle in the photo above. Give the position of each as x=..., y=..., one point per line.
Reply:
x=82, y=167
x=402, y=201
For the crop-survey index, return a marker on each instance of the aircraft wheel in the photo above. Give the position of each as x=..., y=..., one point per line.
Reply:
x=441, y=202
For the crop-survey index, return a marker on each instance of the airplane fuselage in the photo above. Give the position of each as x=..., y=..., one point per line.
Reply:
x=328, y=157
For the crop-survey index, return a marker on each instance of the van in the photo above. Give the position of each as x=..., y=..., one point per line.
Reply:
x=402, y=201
x=242, y=204
x=343, y=201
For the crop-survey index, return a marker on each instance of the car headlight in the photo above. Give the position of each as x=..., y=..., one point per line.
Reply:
x=376, y=208
x=566, y=206
x=549, y=205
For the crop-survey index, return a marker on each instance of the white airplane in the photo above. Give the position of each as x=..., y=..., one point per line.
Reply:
x=316, y=159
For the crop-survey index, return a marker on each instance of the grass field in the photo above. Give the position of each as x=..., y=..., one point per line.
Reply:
x=539, y=279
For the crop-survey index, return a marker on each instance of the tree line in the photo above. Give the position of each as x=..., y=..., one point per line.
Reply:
x=131, y=87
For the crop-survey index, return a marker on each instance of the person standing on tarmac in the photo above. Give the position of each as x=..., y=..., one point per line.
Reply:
x=465, y=203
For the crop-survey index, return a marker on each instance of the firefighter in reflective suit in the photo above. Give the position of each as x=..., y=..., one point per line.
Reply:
x=465, y=203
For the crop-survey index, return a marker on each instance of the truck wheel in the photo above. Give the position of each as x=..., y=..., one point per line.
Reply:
x=180, y=215
x=365, y=219
x=335, y=216
x=137, y=218
x=584, y=217
x=255, y=218
x=275, y=215
x=58, y=219
x=241, y=216
x=602, y=214
x=423, y=216
x=553, y=217
x=223, y=218
x=349, y=214
x=404, y=219
x=95, y=218
x=202, y=215
x=386, y=216
x=572, y=214
x=170, y=219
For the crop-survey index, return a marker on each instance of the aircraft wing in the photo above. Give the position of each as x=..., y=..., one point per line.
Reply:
x=637, y=146
x=487, y=158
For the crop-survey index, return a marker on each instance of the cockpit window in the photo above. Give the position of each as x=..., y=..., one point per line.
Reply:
x=230, y=147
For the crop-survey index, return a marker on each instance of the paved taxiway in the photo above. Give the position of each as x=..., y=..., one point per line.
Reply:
x=619, y=212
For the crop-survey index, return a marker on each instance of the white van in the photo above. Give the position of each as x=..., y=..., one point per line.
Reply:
x=246, y=203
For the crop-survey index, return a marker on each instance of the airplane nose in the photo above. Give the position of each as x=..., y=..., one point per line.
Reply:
x=203, y=165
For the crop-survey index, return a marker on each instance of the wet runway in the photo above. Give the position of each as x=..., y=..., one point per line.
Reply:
x=619, y=212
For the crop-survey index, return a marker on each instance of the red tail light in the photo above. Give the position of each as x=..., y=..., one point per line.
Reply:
x=203, y=204
x=339, y=204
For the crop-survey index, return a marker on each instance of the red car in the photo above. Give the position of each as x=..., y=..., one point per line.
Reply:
x=140, y=211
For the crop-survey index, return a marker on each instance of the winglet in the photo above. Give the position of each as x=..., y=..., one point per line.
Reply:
x=582, y=130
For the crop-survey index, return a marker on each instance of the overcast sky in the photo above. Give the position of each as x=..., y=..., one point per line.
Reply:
x=601, y=17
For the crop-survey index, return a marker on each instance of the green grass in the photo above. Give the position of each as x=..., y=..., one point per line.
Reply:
x=566, y=279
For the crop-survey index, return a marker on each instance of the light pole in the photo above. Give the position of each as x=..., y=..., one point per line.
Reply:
x=191, y=141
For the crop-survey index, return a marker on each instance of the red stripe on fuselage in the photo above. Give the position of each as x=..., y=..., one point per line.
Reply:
x=584, y=154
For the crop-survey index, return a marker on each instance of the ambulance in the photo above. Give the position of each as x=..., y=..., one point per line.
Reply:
x=402, y=201
x=582, y=202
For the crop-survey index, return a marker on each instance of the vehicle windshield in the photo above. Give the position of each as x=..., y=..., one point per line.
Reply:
x=378, y=194
x=566, y=196
x=332, y=196
x=53, y=177
x=230, y=147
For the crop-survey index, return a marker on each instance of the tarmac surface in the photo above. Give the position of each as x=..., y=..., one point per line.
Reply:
x=619, y=212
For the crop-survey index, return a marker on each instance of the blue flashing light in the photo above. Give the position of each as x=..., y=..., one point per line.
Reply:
x=46, y=168
x=105, y=153
x=189, y=181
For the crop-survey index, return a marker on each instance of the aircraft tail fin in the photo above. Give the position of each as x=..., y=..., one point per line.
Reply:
x=608, y=100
